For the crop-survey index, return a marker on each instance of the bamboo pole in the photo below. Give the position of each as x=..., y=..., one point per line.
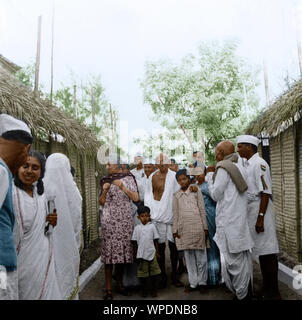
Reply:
x=266, y=83
x=299, y=55
x=75, y=100
x=52, y=45
x=111, y=121
x=36, y=89
x=92, y=109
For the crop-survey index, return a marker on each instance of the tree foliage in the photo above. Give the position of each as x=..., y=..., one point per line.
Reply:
x=211, y=91
x=88, y=93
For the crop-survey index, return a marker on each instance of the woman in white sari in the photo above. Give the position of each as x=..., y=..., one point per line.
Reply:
x=36, y=268
x=67, y=235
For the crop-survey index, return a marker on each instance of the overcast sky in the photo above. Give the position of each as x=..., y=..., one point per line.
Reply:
x=114, y=38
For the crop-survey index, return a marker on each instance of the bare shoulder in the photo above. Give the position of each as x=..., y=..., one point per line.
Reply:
x=156, y=174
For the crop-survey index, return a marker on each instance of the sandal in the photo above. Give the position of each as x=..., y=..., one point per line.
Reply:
x=123, y=291
x=108, y=295
x=177, y=283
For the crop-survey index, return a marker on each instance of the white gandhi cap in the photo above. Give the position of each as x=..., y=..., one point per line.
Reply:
x=9, y=123
x=14, y=129
x=248, y=139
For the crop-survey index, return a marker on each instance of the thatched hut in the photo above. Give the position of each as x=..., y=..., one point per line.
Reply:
x=55, y=131
x=282, y=122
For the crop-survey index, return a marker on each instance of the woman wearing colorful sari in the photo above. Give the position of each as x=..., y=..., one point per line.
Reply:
x=59, y=183
x=118, y=189
x=35, y=250
x=213, y=254
x=130, y=279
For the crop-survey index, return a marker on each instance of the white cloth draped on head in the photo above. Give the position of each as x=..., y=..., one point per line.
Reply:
x=58, y=182
x=113, y=158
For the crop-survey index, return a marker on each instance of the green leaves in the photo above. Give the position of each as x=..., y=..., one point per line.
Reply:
x=209, y=91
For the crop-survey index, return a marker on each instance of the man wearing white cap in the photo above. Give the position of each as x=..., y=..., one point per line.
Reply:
x=138, y=172
x=149, y=168
x=15, y=142
x=260, y=213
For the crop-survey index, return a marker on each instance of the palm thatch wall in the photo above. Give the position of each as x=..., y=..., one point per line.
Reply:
x=55, y=131
x=282, y=121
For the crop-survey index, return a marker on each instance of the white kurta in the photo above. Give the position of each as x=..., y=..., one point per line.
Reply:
x=259, y=180
x=232, y=231
x=36, y=266
x=138, y=174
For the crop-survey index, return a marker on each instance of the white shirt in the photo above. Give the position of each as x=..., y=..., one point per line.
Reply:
x=232, y=231
x=145, y=235
x=4, y=184
x=138, y=174
x=141, y=185
x=259, y=178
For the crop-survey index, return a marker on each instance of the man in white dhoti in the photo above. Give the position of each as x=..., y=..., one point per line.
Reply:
x=15, y=142
x=59, y=183
x=260, y=214
x=227, y=187
x=159, y=197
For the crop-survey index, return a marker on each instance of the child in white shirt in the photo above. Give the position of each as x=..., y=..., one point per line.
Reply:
x=145, y=241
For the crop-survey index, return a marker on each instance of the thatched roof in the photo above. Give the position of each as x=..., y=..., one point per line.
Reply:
x=8, y=65
x=281, y=114
x=43, y=118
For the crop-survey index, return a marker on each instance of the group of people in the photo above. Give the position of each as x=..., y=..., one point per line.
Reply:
x=40, y=219
x=213, y=218
x=216, y=218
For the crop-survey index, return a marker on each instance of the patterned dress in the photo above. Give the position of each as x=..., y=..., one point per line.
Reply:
x=117, y=224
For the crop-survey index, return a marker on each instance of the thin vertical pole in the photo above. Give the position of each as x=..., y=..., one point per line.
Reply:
x=52, y=45
x=38, y=57
x=75, y=100
x=92, y=109
x=266, y=83
x=111, y=120
x=299, y=55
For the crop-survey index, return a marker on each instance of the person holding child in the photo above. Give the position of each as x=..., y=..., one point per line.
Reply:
x=146, y=251
x=190, y=231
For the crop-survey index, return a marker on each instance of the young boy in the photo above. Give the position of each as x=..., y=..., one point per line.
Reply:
x=190, y=231
x=145, y=241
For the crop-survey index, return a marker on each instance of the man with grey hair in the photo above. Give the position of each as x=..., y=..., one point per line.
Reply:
x=15, y=142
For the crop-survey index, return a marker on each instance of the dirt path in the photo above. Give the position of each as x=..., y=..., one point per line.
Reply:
x=95, y=289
